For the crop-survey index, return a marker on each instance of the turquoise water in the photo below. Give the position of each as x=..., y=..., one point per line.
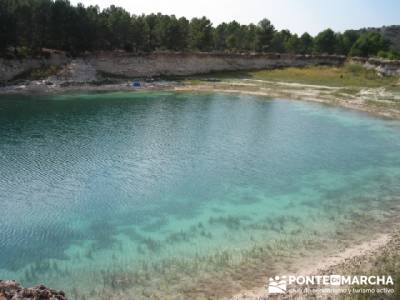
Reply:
x=145, y=195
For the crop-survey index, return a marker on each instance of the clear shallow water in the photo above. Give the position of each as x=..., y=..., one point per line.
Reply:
x=172, y=194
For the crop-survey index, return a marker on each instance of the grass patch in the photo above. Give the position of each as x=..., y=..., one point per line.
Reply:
x=349, y=75
x=346, y=76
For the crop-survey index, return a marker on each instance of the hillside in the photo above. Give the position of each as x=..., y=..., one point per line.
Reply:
x=392, y=33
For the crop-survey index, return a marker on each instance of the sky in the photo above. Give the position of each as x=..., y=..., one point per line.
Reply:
x=297, y=16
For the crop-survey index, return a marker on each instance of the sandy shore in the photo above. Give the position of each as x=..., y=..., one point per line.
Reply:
x=349, y=257
x=376, y=101
x=360, y=259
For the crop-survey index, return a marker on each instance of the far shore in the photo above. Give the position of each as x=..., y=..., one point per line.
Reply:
x=374, y=100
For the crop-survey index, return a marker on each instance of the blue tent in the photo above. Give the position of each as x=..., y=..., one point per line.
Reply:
x=136, y=83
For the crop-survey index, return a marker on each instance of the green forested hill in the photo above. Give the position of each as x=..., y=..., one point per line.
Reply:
x=391, y=33
x=28, y=26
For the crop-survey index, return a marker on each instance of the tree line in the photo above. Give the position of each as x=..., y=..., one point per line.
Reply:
x=27, y=26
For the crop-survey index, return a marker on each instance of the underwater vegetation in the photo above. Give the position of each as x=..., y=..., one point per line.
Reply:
x=234, y=269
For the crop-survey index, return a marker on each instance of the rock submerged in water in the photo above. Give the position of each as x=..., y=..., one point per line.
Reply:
x=12, y=290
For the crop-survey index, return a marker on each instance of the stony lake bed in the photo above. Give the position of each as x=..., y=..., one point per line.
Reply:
x=160, y=194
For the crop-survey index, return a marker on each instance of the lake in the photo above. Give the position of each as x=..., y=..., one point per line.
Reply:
x=159, y=194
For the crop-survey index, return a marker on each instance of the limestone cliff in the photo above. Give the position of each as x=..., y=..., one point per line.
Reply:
x=91, y=67
x=122, y=64
x=382, y=66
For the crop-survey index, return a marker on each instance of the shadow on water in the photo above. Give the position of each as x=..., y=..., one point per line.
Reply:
x=102, y=233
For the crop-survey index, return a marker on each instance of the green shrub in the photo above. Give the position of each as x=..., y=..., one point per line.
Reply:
x=390, y=54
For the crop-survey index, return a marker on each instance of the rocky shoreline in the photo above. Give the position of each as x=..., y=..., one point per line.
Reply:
x=12, y=290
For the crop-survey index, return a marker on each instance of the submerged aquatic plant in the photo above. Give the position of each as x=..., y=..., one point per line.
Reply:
x=231, y=222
